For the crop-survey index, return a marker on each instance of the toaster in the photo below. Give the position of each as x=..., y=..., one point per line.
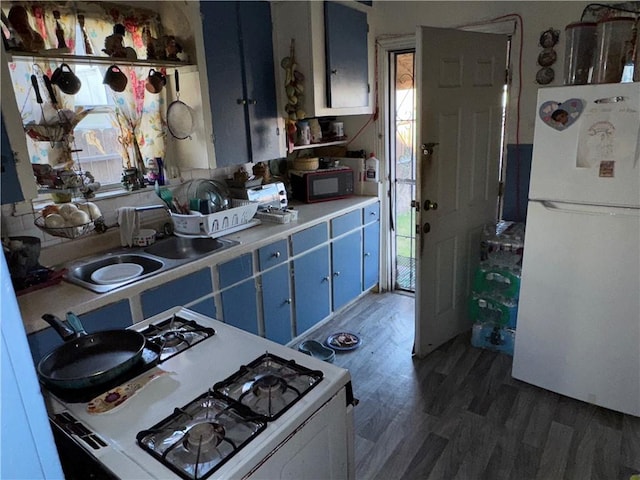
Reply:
x=269, y=195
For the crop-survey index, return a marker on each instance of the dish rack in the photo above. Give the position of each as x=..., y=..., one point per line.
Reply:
x=215, y=224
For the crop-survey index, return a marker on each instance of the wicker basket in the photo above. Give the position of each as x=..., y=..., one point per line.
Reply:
x=65, y=232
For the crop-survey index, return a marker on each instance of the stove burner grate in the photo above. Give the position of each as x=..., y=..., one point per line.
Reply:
x=269, y=385
x=200, y=437
x=175, y=335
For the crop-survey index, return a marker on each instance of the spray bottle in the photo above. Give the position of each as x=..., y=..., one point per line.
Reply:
x=371, y=169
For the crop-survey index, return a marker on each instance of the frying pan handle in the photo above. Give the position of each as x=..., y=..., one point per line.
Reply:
x=76, y=324
x=36, y=88
x=60, y=327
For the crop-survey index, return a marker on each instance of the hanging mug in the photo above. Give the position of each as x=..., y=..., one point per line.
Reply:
x=66, y=80
x=155, y=81
x=115, y=79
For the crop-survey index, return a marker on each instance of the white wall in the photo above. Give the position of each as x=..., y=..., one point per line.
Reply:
x=389, y=18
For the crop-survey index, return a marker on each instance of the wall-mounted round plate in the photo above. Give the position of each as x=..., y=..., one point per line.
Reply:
x=545, y=76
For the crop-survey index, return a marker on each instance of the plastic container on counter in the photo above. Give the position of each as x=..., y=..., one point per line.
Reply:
x=614, y=37
x=304, y=130
x=579, y=52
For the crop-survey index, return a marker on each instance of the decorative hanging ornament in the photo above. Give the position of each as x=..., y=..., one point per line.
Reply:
x=549, y=38
x=547, y=57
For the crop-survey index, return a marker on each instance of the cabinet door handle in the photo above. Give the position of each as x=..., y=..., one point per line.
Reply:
x=288, y=301
x=276, y=255
x=252, y=102
x=334, y=72
x=325, y=279
x=336, y=274
x=367, y=254
x=241, y=101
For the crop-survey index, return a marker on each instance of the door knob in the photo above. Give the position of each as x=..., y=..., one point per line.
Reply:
x=427, y=148
x=429, y=205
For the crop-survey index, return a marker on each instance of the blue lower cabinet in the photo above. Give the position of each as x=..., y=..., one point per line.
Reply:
x=110, y=317
x=176, y=292
x=346, y=268
x=312, y=288
x=371, y=256
x=205, y=307
x=345, y=223
x=309, y=238
x=371, y=213
x=239, y=306
x=273, y=254
x=236, y=270
x=276, y=304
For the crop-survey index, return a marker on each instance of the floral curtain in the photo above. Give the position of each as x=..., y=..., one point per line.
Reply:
x=139, y=119
x=137, y=111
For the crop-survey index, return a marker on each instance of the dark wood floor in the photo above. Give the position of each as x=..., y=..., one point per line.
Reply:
x=458, y=413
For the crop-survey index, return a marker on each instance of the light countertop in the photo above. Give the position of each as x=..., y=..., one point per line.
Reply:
x=61, y=298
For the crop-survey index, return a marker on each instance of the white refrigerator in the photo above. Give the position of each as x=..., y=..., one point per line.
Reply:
x=578, y=330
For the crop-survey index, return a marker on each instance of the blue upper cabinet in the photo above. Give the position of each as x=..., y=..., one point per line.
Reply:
x=333, y=50
x=10, y=188
x=262, y=111
x=346, y=46
x=240, y=72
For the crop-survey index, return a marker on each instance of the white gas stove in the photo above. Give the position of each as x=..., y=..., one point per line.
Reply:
x=223, y=404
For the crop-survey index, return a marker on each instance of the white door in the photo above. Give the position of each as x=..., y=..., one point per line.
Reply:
x=460, y=81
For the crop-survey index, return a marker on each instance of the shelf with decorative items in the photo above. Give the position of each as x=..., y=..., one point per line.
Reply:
x=328, y=143
x=92, y=59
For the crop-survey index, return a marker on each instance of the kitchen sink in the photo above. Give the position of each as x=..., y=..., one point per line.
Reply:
x=187, y=248
x=81, y=272
x=139, y=263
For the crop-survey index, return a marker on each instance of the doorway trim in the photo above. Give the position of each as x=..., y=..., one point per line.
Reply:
x=384, y=45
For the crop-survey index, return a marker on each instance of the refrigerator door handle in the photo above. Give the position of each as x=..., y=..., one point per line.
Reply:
x=589, y=209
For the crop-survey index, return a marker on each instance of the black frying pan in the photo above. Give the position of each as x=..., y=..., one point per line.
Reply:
x=86, y=360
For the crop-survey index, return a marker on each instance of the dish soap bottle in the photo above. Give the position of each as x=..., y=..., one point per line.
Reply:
x=371, y=168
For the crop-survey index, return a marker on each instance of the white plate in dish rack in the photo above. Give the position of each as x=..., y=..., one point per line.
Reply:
x=119, y=272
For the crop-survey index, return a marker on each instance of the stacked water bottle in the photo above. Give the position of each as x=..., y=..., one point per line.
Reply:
x=496, y=287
